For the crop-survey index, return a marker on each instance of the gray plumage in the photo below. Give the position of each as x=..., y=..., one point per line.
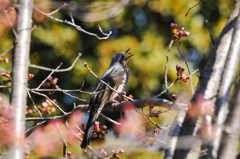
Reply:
x=117, y=77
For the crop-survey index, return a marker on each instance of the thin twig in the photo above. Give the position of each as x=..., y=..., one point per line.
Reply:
x=210, y=32
x=2, y=86
x=74, y=25
x=60, y=70
x=3, y=54
x=187, y=67
x=62, y=90
x=165, y=89
x=55, y=11
x=162, y=128
x=48, y=76
x=166, y=70
x=80, y=139
x=44, y=118
x=109, y=119
x=156, y=138
x=49, y=100
x=82, y=100
x=10, y=23
x=33, y=57
x=29, y=95
x=2, y=69
x=193, y=7
x=63, y=141
x=120, y=93
x=33, y=28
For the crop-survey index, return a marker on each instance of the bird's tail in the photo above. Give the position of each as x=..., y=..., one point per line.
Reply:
x=89, y=129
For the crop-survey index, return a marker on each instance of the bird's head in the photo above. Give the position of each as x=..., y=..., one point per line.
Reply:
x=121, y=57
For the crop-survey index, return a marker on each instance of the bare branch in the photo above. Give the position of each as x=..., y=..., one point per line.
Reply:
x=29, y=95
x=49, y=100
x=80, y=139
x=33, y=57
x=210, y=32
x=82, y=100
x=62, y=90
x=156, y=138
x=63, y=141
x=55, y=11
x=74, y=25
x=1, y=69
x=3, y=54
x=48, y=76
x=193, y=7
x=162, y=128
x=109, y=119
x=138, y=103
x=166, y=89
x=11, y=24
x=166, y=69
x=59, y=70
x=2, y=86
x=187, y=67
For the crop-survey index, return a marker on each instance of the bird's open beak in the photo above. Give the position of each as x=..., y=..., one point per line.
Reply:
x=128, y=55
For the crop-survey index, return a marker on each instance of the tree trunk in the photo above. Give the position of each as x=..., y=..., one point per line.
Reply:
x=19, y=77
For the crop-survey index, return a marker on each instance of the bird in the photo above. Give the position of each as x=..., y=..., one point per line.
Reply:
x=117, y=77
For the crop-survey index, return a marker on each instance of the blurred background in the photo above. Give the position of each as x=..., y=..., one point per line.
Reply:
x=142, y=25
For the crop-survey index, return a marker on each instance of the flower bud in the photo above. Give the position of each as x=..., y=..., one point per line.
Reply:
x=153, y=109
x=120, y=151
x=45, y=104
x=124, y=93
x=174, y=96
x=55, y=81
x=180, y=33
x=6, y=74
x=83, y=125
x=5, y=60
x=48, y=112
x=53, y=109
x=69, y=153
x=155, y=131
x=173, y=26
x=96, y=123
x=30, y=76
x=178, y=67
x=54, y=101
x=103, y=127
x=30, y=111
x=96, y=128
x=130, y=96
x=6, y=82
x=181, y=29
x=188, y=77
x=50, y=78
x=182, y=70
x=186, y=33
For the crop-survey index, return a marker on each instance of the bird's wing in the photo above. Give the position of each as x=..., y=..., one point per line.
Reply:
x=115, y=78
